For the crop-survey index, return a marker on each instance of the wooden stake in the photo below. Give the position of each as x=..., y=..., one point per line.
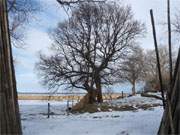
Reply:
x=49, y=110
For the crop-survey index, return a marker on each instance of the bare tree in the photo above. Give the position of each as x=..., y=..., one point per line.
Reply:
x=151, y=71
x=133, y=67
x=89, y=47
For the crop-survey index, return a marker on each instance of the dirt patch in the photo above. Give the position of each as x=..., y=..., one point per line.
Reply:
x=105, y=107
x=147, y=106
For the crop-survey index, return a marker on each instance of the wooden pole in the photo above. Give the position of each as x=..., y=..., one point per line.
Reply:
x=168, y=105
x=170, y=67
x=157, y=57
x=9, y=110
x=166, y=124
x=170, y=46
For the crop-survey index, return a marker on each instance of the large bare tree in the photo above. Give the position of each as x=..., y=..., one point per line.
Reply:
x=89, y=47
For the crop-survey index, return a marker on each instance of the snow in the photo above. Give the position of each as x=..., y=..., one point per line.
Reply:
x=140, y=122
x=135, y=100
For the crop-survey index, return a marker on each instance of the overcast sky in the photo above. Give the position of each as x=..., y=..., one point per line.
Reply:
x=37, y=38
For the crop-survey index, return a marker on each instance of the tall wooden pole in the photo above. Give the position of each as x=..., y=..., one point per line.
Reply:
x=10, y=123
x=170, y=65
x=157, y=57
x=169, y=43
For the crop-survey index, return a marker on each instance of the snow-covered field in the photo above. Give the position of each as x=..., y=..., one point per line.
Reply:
x=139, y=122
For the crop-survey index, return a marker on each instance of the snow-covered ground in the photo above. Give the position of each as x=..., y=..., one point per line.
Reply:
x=137, y=100
x=139, y=122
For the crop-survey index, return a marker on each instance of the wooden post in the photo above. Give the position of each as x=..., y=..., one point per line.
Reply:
x=168, y=105
x=169, y=42
x=49, y=110
x=171, y=126
x=122, y=94
x=9, y=110
x=170, y=64
x=157, y=56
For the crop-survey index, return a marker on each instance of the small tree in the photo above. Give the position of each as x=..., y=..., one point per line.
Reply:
x=133, y=67
x=89, y=46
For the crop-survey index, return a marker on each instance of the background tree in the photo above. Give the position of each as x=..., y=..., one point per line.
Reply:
x=151, y=71
x=89, y=47
x=132, y=69
x=20, y=13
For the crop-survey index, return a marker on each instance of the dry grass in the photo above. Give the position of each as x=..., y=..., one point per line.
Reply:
x=63, y=97
x=56, y=98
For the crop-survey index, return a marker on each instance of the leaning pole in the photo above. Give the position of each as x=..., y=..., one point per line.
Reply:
x=10, y=123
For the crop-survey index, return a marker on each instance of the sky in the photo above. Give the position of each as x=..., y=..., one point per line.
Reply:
x=37, y=38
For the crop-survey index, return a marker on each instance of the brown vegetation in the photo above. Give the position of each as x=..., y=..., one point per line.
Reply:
x=64, y=97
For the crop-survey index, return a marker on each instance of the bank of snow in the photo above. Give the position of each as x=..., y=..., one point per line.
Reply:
x=137, y=100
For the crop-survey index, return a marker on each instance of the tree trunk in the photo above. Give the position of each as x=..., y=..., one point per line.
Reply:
x=89, y=98
x=99, y=90
x=133, y=88
x=9, y=111
x=92, y=96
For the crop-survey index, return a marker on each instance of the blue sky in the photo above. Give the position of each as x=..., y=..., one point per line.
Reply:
x=37, y=38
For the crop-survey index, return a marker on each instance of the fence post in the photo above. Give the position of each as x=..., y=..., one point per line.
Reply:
x=48, y=110
x=122, y=94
